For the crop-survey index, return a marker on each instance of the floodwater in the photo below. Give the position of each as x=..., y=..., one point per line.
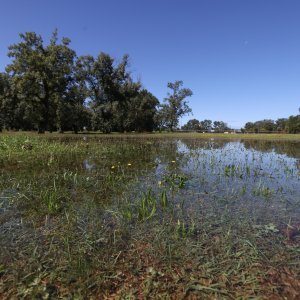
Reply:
x=78, y=204
x=229, y=171
x=253, y=177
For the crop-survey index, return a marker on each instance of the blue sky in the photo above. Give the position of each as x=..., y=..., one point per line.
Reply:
x=241, y=58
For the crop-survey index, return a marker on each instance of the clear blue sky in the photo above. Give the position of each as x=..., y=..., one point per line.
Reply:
x=241, y=58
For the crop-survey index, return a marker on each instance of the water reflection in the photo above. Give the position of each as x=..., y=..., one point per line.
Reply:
x=291, y=149
x=193, y=144
x=88, y=165
x=263, y=176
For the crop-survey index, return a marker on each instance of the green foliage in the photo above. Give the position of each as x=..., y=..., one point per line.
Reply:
x=175, y=105
x=205, y=125
x=176, y=181
x=46, y=87
x=146, y=207
x=164, y=199
x=290, y=125
x=261, y=126
x=220, y=126
x=230, y=170
x=141, y=112
x=117, y=102
x=41, y=78
x=52, y=201
x=193, y=124
x=293, y=124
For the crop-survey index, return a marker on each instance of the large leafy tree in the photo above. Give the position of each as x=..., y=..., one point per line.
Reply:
x=293, y=124
x=110, y=90
x=97, y=74
x=206, y=125
x=192, y=124
x=175, y=105
x=41, y=77
x=220, y=126
x=249, y=127
x=261, y=126
x=141, y=112
x=281, y=124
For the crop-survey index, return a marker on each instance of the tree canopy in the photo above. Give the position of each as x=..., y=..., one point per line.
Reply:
x=285, y=125
x=47, y=87
x=175, y=105
x=205, y=125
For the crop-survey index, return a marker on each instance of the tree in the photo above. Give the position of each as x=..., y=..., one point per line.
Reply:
x=110, y=89
x=220, y=126
x=40, y=78
x=73, y=114
x=206, y=125
x=261, y=126
x=141, y=112
x=193, y=124
x=281, y=124
x=266, y=125
x=249, y=127
x=293, y=124
x=175, y=105
x=68, y=98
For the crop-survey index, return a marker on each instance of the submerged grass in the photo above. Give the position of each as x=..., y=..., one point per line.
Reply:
x=93, y=217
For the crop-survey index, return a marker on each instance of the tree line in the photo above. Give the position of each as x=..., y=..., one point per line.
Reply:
x=284, y=125
x=281, y=125
x=47, y=87
x=205, y=125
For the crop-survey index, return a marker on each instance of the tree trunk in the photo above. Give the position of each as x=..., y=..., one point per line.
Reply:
x=41, y=130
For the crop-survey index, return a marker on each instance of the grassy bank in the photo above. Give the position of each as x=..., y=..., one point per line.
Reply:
x=162, y=135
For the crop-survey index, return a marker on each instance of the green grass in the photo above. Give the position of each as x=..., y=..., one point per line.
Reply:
x=133, y=216
x=181, y=135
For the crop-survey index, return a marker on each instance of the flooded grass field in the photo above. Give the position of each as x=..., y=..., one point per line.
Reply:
x=159, y=218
